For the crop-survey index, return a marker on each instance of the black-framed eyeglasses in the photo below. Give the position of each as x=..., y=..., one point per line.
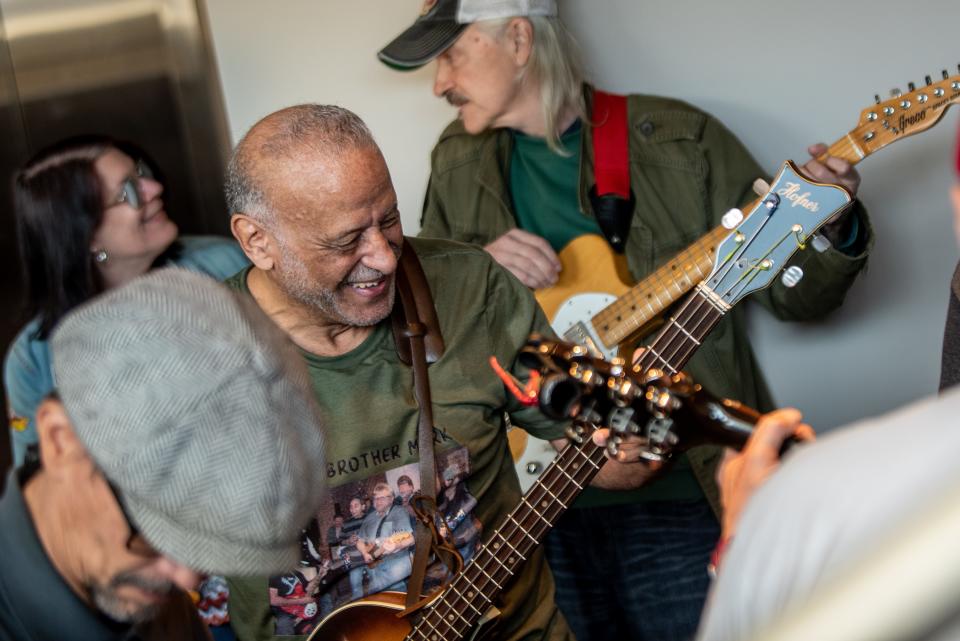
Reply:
x=136, y=544
x=130, y=192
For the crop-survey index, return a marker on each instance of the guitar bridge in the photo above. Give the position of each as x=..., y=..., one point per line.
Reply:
x=579, y=334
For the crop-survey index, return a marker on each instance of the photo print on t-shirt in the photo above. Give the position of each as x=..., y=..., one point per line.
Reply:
x=361, y=541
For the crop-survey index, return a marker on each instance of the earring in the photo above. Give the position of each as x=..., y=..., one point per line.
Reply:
x=100, y=256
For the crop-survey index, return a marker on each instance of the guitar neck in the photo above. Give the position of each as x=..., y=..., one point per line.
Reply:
x=646, y=300
x=673, y=346
x=474, y=590
x=847, y=149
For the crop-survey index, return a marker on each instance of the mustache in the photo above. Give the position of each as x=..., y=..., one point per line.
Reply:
x=455, y=99
x=363, y=274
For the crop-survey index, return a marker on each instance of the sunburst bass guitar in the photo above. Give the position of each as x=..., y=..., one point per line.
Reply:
x=748, y=260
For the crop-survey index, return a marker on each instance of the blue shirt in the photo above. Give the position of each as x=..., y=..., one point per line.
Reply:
x=27, y=375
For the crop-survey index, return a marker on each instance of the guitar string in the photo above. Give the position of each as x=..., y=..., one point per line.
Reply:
x=569, y=489
x=687, y=346
x=696, y=307
x=655, y=283
x=695, y=311
x=476, y=567
x=677, y=284
x=693, y=308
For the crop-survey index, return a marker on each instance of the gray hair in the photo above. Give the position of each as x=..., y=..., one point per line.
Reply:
x=555, y=63
x=326, y=128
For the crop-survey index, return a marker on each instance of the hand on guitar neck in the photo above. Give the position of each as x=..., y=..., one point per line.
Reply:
x=825, y=168
x=628, y=469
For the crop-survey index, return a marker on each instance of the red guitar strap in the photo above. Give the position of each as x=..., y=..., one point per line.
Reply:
x=610, y=154
x=611, y=198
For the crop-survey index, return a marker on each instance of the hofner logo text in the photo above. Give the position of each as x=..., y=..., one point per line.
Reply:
x=791, y=193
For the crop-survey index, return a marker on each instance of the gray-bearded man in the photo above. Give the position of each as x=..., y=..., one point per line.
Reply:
x=181, y=439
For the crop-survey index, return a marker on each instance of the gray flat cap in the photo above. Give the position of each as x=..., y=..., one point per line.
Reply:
x=200, y=411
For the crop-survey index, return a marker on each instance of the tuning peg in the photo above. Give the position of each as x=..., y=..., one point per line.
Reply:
x=761, y=187
x=575, y=435
x=945, y=74
x=791, y=276
x=733, y=217
x=613, y=446
x=876, y=98
x=895, y=93
x=928, y=80
x=820, y=243
x=911, y=86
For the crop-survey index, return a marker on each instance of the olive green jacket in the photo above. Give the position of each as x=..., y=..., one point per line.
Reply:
x=686, y=171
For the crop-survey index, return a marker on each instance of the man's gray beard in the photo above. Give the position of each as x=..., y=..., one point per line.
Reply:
x=106, y=600
x=296, y=283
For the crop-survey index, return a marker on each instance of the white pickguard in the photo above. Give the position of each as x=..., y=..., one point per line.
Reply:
x=572, y=323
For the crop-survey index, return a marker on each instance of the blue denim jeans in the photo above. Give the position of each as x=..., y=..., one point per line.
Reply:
x=636, y=571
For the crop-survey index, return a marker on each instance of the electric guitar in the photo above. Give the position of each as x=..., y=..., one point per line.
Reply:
x=748, y=260
x=593, y=303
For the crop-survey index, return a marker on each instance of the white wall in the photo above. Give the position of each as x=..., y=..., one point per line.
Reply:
x=780, y=75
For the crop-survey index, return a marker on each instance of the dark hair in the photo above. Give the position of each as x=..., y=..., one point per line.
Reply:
x=58, y=205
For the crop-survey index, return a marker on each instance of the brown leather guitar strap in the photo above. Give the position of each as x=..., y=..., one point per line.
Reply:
x=416, y=333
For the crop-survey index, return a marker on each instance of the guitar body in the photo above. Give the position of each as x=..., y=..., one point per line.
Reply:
x=374, y=618
x=531, y=456
x=592, y=277
x=572, y=321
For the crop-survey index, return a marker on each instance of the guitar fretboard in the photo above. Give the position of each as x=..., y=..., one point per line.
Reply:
x=473, y=591
x=647, y=299
x=650, y=297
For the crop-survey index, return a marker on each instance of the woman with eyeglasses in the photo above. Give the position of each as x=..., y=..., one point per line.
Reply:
x=90, y=217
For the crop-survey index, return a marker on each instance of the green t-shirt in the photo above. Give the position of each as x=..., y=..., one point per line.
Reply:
x=371, y=417
x=543, y=187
